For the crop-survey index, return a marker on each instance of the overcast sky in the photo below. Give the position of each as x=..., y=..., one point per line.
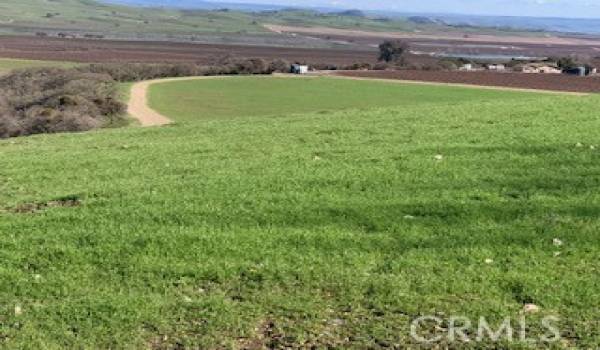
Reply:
x=542, y=8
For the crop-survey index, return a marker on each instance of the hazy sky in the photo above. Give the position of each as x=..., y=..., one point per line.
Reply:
x=543, y=8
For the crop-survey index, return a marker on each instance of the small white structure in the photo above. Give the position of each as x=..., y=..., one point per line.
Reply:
x=467, y=66
x=496, y=67
x=299, y=69
x=550, y=70
x=538, y=68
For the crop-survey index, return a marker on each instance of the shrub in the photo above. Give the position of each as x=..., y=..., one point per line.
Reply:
x=280, y=66
x=51, y=100
x=393, y=51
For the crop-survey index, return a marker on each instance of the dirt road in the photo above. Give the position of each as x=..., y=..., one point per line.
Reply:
x=138, y=107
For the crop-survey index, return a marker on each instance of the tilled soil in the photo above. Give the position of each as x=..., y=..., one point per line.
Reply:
x=556, y=82
x=83, y=50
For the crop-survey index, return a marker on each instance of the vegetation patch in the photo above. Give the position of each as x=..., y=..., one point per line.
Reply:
x=51, y=100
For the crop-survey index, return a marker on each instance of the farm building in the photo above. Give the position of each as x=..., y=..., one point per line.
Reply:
x=582, y=71
x=299, y=69
x=496, y=67
x=467, y=66
x=543, y=68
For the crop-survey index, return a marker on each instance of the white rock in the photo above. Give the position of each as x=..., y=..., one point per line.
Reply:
x=489, y=261
x=592, y=147
x=557, y=242
x=439, y=157
x=531, y=308
x=316, y=158
x=409, y=217
x=18, y=310
x=556, y=254
x=579, y=144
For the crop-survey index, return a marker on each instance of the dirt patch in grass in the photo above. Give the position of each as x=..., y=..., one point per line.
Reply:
x=35, y=207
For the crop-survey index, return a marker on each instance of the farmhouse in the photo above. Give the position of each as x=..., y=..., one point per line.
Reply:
x=543, y=68
x=299, y=69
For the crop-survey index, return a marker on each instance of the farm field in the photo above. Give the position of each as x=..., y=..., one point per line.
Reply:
x=306, y=227
x=556, y=82
x=206, y=99
x=82, y=50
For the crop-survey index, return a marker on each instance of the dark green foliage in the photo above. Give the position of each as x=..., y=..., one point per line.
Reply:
x=393, y=51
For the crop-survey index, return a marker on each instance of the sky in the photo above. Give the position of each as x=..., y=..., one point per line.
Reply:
x=536, y=8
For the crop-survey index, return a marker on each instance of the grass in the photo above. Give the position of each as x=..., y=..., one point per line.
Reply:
x=266, y=96
x=8, y=64
x=327, y=229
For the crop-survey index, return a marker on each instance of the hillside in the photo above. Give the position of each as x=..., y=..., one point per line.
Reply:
x=92, y=18
x=321, y=229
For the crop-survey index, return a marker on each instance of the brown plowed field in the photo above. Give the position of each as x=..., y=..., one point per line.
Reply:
x=556, y=82
x=81, y=50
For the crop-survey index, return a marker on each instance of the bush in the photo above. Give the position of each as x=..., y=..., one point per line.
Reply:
x=280, y=66
x=129, y=72
x=393, y=51
x=51, y=100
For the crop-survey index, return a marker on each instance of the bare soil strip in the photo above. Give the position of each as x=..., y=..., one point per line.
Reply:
x=552, y=83
x=138, y=106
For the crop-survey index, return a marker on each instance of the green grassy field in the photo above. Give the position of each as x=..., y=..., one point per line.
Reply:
x=8, y=64
x=327, y=229
x=266, y=96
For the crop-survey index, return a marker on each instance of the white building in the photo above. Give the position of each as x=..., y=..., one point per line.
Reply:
x=496, y=67
x=467, y=66
x=299, y=69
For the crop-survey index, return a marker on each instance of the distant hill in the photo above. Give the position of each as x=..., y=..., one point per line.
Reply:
x=197, y=4
x=171, y=19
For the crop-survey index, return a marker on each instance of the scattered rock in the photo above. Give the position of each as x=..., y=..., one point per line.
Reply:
x=337, y=322
x=531, y=308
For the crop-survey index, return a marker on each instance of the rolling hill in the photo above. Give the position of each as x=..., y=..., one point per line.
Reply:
x=326, y=228
x=97, y=19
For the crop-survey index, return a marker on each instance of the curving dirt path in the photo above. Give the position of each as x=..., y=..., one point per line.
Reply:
x=138, y=102
x=138, y=106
